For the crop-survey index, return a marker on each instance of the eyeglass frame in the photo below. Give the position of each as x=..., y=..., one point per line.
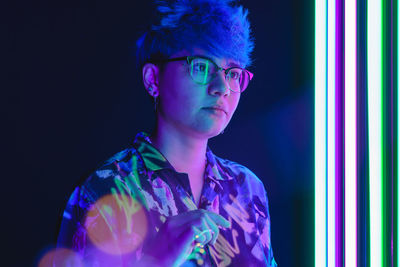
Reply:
x=189, y=60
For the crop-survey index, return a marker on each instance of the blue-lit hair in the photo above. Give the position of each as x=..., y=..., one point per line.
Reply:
x=218, y=26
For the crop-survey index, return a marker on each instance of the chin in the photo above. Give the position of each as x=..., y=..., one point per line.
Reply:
x=214, y=133
x=208, y=130
x=207, y=134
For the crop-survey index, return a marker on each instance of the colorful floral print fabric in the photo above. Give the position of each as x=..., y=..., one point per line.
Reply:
x=113, y=215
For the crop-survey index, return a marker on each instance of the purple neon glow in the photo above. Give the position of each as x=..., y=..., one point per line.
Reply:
x=339, y=129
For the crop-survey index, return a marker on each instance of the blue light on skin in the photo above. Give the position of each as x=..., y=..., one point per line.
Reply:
x=183, y=102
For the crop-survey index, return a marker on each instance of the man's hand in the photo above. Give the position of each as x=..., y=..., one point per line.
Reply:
x=179, y=234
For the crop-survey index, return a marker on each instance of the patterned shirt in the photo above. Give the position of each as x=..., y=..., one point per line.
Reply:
x=122, y=205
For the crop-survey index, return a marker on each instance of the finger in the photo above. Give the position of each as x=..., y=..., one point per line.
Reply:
x=186, y=238
x=214, y=229
x=186, y=219
x=209, y=225
x=203, y=234
x=186, y=248
x=207, y=230
x=196, y=218
x=218, y=219
x=197, y=235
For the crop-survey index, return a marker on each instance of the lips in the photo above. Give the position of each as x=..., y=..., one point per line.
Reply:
x=217, y=107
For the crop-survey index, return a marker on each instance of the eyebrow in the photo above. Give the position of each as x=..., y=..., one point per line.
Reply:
x=229, y=65
x=233, y=64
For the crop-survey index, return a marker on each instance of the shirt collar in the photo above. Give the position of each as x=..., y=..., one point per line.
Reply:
x=155, y=161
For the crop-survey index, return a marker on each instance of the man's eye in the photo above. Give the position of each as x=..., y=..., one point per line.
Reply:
x=234, y=75
x=200, y=67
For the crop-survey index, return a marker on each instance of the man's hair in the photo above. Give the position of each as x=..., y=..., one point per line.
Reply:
x=219, y=27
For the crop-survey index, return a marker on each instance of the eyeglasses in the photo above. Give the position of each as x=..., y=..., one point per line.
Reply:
x=203, y=70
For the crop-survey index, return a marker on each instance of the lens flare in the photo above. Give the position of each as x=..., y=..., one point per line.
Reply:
x=61, y=257
x=117, y=224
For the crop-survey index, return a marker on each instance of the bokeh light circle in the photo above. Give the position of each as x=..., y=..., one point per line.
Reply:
x=61, y=257
x=116, y=224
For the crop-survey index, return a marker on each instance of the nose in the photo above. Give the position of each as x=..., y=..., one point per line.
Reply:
x=219, y=86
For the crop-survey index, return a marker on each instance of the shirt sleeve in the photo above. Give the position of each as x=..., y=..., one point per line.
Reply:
x=264, y=223
x=103, y=224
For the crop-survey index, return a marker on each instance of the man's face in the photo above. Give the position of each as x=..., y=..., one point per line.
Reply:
x=188, y=106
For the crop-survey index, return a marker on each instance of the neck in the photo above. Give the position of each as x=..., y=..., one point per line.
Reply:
x=187, y=154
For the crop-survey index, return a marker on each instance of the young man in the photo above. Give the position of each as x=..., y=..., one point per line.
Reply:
x=167, y=200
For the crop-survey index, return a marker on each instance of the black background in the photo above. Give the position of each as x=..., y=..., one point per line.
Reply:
x=73, y=97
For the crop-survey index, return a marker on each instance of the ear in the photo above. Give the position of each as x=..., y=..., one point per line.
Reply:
x=150, y=73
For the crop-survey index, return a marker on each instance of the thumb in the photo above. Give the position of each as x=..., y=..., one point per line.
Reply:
x=186, y=248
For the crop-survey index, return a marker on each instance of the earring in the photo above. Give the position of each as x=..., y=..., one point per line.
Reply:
x=154, y=94
x=155, y=102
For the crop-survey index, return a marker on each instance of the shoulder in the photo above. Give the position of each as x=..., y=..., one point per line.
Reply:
x=117, y=165
x=111, y=173
x=120, y=157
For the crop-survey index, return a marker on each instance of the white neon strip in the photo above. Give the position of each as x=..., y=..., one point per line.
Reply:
x=374, y=32
x=320, y=133
x=331, y=134
x=350, y=134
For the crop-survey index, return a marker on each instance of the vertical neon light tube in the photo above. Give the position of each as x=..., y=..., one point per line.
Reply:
x=398, y=133
x=350, y=134
x=374, y=39
x=320, y=133
x=331, y=134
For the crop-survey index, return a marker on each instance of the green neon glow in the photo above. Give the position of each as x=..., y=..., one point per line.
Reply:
x=398, y=135
x=385, y=222
x=320, y=134
x=374, y=41
x=206, y=73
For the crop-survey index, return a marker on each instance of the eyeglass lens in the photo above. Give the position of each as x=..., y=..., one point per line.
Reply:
x=203, y=71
